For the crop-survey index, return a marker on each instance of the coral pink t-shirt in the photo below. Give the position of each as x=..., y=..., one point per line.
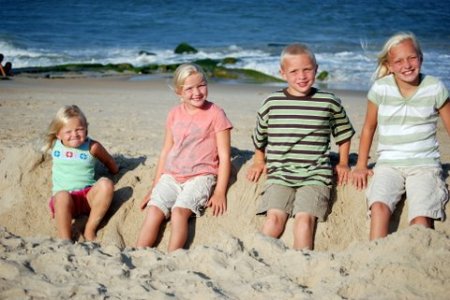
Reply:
x=194, y=151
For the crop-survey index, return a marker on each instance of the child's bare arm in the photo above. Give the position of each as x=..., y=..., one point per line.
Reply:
x=102, y=155
x=168, y=143
x=444, y=112
x=218, y=201
x=342, y=168
x=360, y=173
x=258, y=167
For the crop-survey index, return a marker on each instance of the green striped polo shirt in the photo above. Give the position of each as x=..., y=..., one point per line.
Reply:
x=295, y=133
x=407, y=126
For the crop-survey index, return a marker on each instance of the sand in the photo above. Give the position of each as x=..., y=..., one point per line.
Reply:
x=226, y=257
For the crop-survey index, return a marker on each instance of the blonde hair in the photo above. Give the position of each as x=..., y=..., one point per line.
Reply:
x=382, y=67
x=184, y=71
x=297, y=49
x=61, y=118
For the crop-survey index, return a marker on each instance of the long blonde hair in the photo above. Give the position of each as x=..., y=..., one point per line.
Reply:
x=382, y=67
x=61, y=118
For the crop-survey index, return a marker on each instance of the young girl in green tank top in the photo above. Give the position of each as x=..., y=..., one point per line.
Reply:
x=74, y=188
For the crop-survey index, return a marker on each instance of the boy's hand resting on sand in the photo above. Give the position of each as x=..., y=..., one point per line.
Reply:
x=256, y=170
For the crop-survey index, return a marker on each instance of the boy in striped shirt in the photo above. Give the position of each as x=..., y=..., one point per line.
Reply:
x=292, y=141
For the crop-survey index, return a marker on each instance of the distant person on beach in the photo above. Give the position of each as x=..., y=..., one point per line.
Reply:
x=292, y=138
x=2, y=70
x=194, y=166
x=8, y=69
x=405, y=105
x=75, y=191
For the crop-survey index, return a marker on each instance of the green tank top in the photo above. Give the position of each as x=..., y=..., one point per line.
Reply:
x=73, y=168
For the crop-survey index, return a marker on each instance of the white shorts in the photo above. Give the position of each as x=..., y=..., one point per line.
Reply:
x=192, y=194
x=424, y=187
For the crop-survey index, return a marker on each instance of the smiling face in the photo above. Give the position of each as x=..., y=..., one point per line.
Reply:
x=194, y=92
x=73, y=133
x=299, y=71
x=404, y=62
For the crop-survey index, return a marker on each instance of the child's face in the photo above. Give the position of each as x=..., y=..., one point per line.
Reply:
x=73, y=134
x=300, y=72
x=194, y=91
x=404, y=62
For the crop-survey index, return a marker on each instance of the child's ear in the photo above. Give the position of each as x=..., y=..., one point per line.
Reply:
x=282, y=73
x=58, y=135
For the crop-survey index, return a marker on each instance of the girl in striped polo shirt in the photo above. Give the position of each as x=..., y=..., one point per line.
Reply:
x=405, y=105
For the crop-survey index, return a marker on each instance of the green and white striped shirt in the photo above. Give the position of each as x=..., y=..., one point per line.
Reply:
x=295, y=132
x=407, y=126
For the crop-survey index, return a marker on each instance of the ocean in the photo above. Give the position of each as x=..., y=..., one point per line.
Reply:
x=345, y=35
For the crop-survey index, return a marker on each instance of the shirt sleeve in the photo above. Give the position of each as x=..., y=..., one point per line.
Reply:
x=221, y=121
x=259, y=136
x=442, y=94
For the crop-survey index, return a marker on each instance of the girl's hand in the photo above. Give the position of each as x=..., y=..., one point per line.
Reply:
x=145, y=200
x=359, y=177
x=218, y=203
x=342, y=172
x=256, y=170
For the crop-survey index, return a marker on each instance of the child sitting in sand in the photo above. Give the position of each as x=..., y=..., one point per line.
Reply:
x=194, y=165
x=405, y=105
x=75, y=191
x=293, y=134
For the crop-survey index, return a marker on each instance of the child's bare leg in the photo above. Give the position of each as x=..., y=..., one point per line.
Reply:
x=63, y=215
x=424, y=221
x=180, y=225
x=99, y=198
x=380, y=215
x=150, y=227
x=304, y=225
x=275, y=223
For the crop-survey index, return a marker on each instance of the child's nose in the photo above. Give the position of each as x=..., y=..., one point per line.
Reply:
x=196, y=91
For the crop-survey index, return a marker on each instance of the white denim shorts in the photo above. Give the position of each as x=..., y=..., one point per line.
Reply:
x=424, y=187
x=192, y=194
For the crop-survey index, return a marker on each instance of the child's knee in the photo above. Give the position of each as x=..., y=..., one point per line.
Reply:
x=180, y=213
x=305, y=219
x=304, y=222
x=105, y=184
x=62, y=200
x=276, y=221
x=380, y=208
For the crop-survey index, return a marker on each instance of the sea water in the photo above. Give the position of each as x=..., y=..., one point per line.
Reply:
x=345, y=35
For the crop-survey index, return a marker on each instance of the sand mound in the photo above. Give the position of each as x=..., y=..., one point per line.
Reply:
x=26, y=189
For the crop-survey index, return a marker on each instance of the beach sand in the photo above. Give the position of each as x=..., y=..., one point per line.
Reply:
x=227, y=258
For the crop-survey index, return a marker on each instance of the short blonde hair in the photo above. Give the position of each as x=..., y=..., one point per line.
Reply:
x=61, y=118
x=297, y=49
x=382, y=67
x=184, y=71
